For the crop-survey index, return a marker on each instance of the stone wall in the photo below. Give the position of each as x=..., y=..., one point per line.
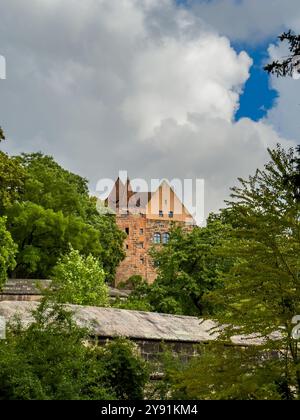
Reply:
x=135, y=262
x=140, y=231
x=30, y=290
x=152, y=350
x=23, y=290
x=20, y=298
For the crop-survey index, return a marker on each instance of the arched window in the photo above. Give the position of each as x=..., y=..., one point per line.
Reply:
x=165, y=237
x=156, y=238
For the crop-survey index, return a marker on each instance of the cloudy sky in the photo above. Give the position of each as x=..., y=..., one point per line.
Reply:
x=160, y=88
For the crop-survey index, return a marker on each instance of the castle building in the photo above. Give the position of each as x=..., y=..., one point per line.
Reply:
x=146, y=218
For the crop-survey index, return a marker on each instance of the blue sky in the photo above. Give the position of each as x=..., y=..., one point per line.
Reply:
x=258, y=97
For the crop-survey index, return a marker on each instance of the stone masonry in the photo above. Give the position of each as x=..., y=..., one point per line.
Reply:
x=140, y=232
x=151, y=218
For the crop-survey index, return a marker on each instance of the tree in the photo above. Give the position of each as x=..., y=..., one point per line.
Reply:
x=2, y=136
x=8, y=251
x=49, y=207
x=12, y=178
x=111, y=239
x=261, y=292
x=221, y=372
x=290, y=67
x=140, y=298
x=49, y=360
x=79, y=280
x=51, y=187
x=43, y=235
x=126, y=372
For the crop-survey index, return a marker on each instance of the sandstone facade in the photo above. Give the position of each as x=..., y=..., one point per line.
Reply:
x=146, y=218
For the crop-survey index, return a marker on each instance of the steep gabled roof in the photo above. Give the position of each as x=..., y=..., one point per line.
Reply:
x=120, y=194
x=123, y=197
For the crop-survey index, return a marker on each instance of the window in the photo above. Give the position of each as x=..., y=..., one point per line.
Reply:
x=142, y=260
x=161, y=213
x=165, y=237
x=171, y=214
x=127, y=246
x=140, y=245
x=127, y=230
x=156, y=238
x=141, y=231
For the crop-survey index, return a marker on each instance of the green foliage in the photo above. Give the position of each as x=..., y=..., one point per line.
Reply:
x=2, y=136
x=266, y=246
x=54, y=209
x=126, y=372
x=79, y=280
x=8, y=250
x=52, y=187
x=188, y=268
x=295, y=177
x=138, y=300
x=43, y=236
x=133, y=303
x=111, y=239
x=12, y=178
x=288, y=67
x=224, y=373
x=50, y=360
x=132, y=283
x=261, y=292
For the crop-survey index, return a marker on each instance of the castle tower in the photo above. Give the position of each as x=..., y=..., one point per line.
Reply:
x=146, y=218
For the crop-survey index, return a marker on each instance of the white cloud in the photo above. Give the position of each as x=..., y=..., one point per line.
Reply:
x=180, y=77
x=127, y=84
x=250, y=21
x=214, y=149
x=285, y=115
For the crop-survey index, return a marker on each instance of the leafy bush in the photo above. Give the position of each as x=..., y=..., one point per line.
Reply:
x=79, y=280
x=8, y=250
x=43, y=235
x=221, y=372
x=126, y=372
x=51, y=360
